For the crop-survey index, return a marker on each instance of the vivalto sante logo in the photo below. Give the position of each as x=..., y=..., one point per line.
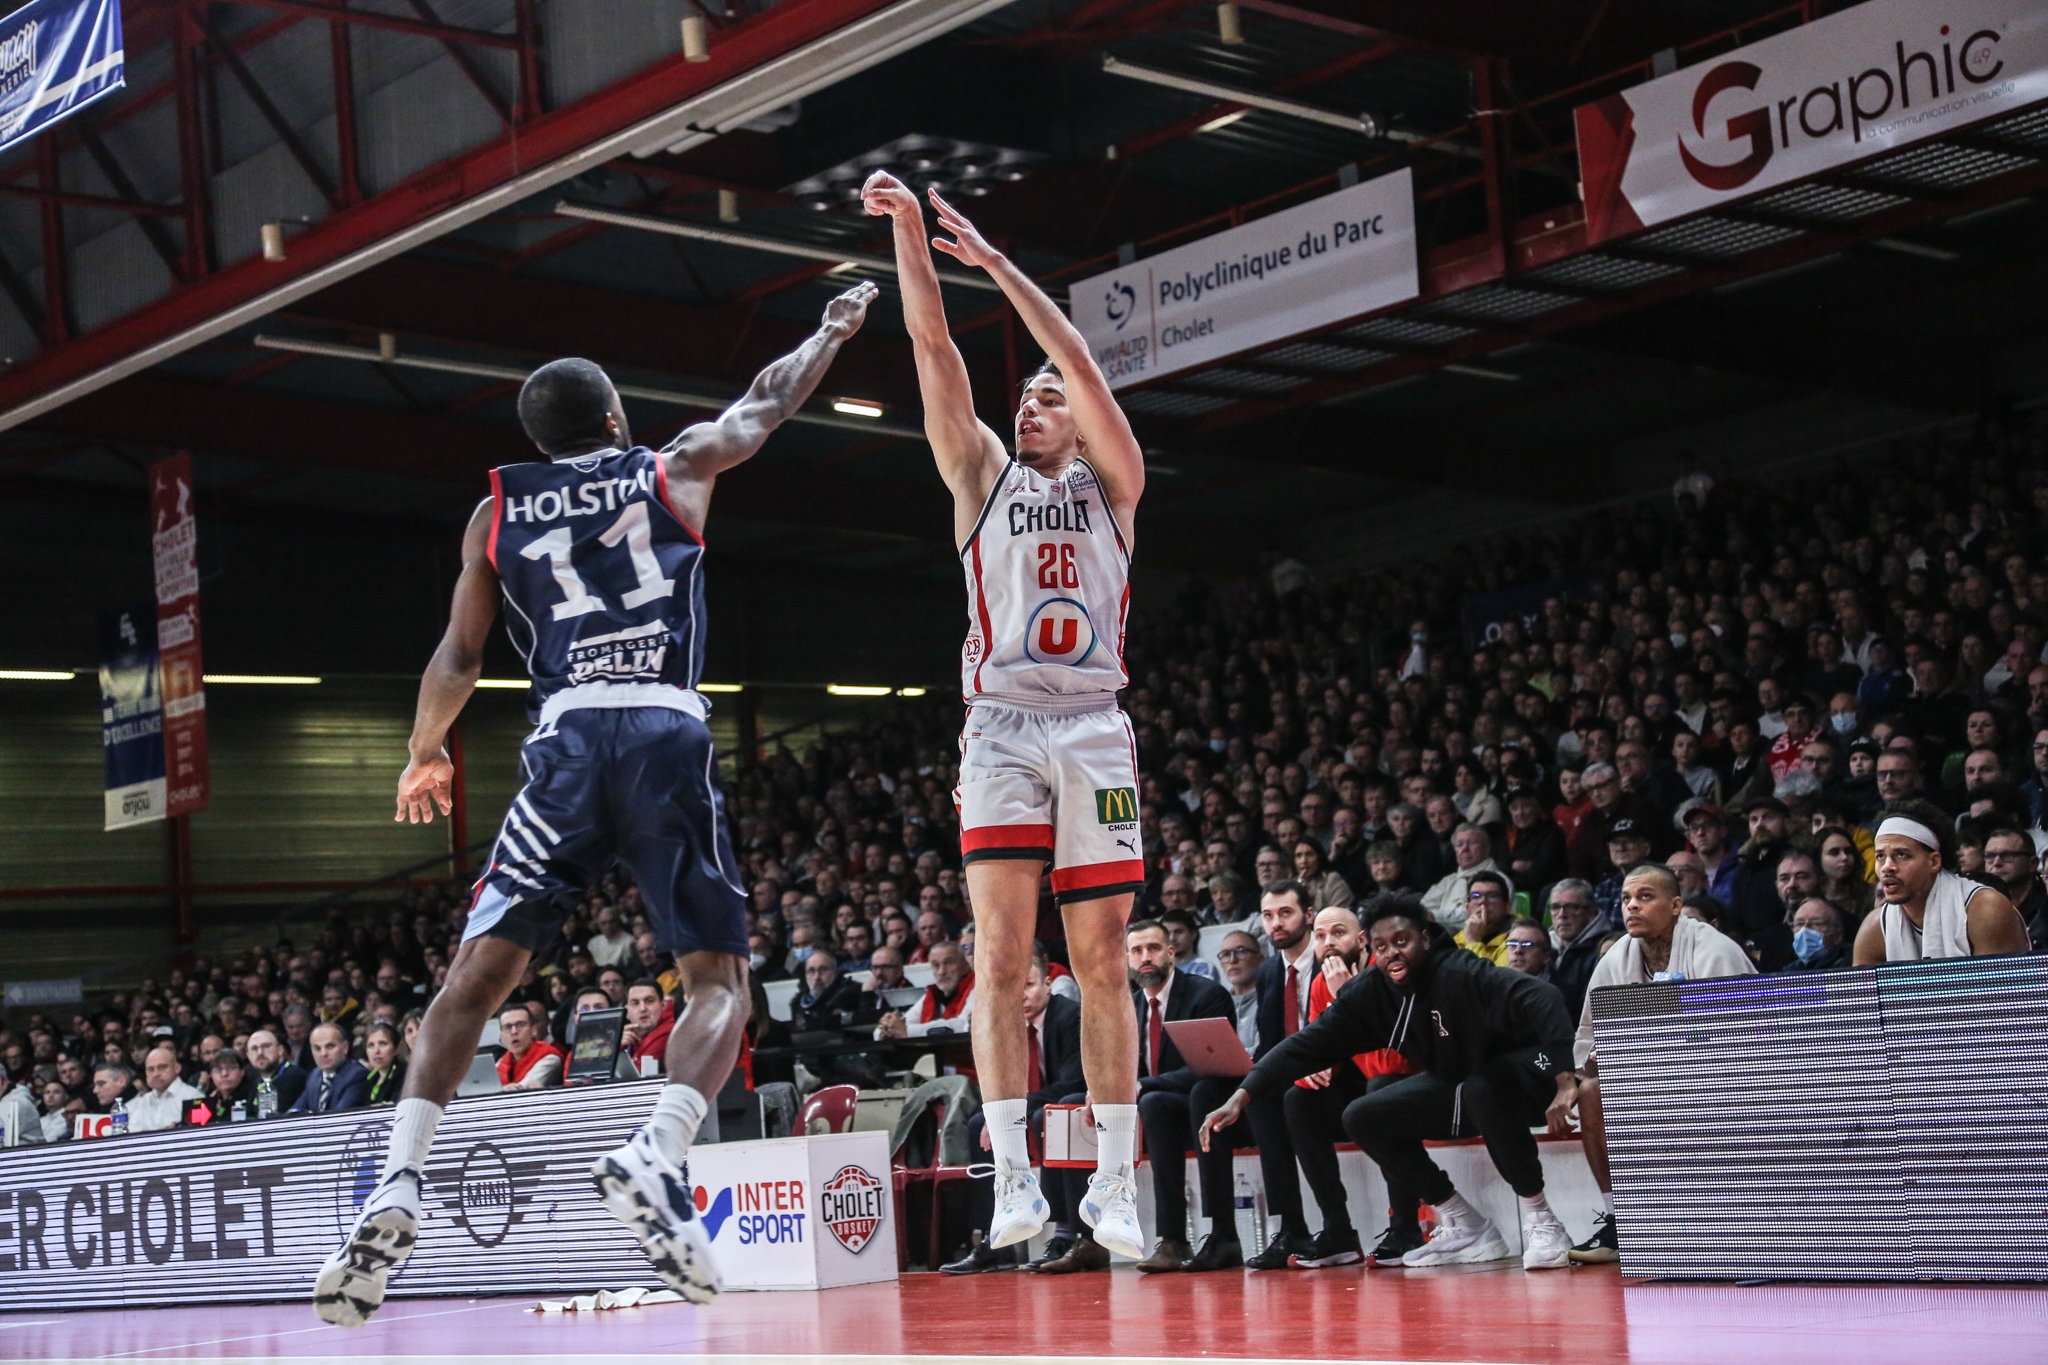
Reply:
x=1854, y=106
x=1120, y=301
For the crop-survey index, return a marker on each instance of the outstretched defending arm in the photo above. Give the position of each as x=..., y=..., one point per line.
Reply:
x=696, y=458
x=1112, y=449
x=968, y=453
x=451, y=675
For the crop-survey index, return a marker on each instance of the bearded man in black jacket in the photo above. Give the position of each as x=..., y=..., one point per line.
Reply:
x=1492, y=1054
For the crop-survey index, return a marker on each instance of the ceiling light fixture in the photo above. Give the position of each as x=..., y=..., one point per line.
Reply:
x=261, y=679
x=36, y=675
x=519, y=683
x=718, y=687
x=848, y=690
x=853, y=408
x=1213, y=124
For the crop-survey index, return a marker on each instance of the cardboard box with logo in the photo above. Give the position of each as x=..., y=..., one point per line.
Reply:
x=798, y=1213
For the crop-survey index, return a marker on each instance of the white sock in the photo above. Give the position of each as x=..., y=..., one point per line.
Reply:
x=1006, y=1134
x=1116, y=1137
x=673, y=1124
x=1536, y=1209
x=1607, y=1202
x=1459, y=1213
x=412, y=1135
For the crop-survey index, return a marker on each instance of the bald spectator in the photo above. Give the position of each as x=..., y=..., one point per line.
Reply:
x=338, y=1081
x=162, y=1101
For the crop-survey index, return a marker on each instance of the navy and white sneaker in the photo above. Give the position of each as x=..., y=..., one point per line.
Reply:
x=350, y=1286
x=644, y=1190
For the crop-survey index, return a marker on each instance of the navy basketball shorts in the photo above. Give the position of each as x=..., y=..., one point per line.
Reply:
x=636, y=784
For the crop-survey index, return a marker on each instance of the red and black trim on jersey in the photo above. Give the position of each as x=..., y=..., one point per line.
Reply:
x=1093, y=881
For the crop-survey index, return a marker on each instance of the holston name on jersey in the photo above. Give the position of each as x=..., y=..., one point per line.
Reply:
x=599, y=495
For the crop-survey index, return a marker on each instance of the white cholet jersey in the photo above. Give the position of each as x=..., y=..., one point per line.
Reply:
x=1048, y=585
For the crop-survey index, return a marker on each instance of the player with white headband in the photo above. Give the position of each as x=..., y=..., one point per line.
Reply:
x=1930, y=911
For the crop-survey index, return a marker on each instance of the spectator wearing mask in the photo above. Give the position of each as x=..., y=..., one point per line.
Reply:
x=162, y=1101
x=268, y=1059
x=382, y=1059
x=1492, y=1054
x=1820, y=941
x=1663, y=944
x=1053, y=1076
x=2009, y=857
x=1529, y=949
x=1576, y=929
x=339, y=1081
x=948, y=1003
x=529, y=1063
x=1473, y=850
x=1929, y=911
x=1489, y=905
x=1169, y=1094
x=650, y=1018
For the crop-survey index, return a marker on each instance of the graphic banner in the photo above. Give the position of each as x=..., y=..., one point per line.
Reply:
x=1322, y=262
x=1883, y=75
x=56, y=57
x=174, y=542
x=131, y=718
x=246, y=1212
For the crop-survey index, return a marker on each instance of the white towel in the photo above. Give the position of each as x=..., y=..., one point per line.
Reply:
x=1698, y=951
x=1944, y=929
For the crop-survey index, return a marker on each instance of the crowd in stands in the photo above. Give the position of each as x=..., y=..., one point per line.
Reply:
x=1732, y=689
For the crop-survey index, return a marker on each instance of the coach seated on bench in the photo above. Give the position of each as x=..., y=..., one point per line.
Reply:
x=1052, y=1041
x=1663, y=944
x=1285, y=987
x=1171, y=1099
x=1492, y=1052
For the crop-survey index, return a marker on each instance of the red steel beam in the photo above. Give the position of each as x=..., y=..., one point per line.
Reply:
x=341, y=55
x=434, y=201
x=56, y=268
x=419, y=28
x=76, y=200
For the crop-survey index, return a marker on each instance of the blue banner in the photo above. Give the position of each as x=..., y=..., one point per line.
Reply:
x=56, y=57
x=131, y=717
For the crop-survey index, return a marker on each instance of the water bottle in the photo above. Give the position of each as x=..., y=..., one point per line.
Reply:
x=1247, y=1207
x=266, y=1100
x=117, y=1121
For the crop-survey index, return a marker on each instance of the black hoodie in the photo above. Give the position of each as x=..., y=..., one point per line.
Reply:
x=1457, y=1013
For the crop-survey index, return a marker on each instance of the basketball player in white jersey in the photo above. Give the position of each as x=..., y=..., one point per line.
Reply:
x=1048, y=768
x=1927, y=910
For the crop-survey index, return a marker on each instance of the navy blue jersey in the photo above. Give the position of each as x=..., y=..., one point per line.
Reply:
x=603, y=582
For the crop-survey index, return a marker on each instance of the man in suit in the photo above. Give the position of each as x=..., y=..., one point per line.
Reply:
x=339, y=1081
x=267, y=1057
x=1285, y=980
x=1172, y=1100
x=1052, y=1032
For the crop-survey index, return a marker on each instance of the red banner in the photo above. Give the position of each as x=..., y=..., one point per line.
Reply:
x=174, y=541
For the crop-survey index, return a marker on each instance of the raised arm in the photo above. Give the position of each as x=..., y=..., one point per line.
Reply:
x=968, y=453
x=696, y=457
x=1112, y=449
x=451, y=675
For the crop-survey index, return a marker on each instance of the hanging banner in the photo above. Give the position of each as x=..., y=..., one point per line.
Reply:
x=1303, y=268
x=174, y=541
x=131, y=718
x=56, y=57
x=1866, y=80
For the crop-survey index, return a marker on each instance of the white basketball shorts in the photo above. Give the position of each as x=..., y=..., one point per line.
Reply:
x=1061, y=789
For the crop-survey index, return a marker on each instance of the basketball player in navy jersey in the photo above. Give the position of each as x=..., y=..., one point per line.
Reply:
x=1048, y=766
x=597, y=552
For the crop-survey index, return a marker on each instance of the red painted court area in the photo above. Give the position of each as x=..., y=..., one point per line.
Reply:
x=1482, y=1314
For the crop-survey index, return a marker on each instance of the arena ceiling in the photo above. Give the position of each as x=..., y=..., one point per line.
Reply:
x=428, y=257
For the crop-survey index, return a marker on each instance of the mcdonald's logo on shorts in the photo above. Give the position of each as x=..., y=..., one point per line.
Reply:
x=1116, y=805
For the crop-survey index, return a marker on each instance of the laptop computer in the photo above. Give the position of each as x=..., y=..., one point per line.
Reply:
x=1210, y=1047
x=596, y=1049
x=482, y=1078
